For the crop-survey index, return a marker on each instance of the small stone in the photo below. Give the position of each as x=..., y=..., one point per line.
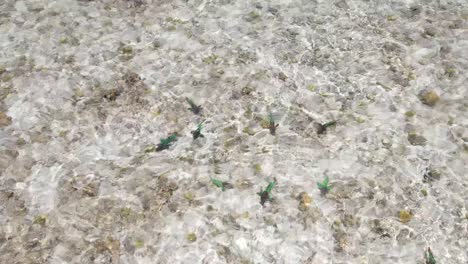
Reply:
x=424, y=192
x=131, y=78
x=360, y=120
x=431, y=175
x=350, y=220
x=451, y=72
x=139, y=243
x=20, y=141
x=380, y=228
x=150, y=148
x=63, y=40
x=265, y=124
x=311, y=87
x=110, y=245
x=126, y=50
x=243, y=184
x=258, y=168
x=211, y=59
x=125, y=212
x=248, y=131
x=9, y=194
x=386, y=142
x=191, y=237
x=30, y=244
x=304, y=201
x=112, y=94
x=229, y=143
x=282, y=76
x=63, y=133
x=4, y=120
x=40, y=138
x=189, y=196
x=430, y=31
x=410, y=113
x=230, y=129
x=429, y=98
x=247, y=90
x=405, y=216
x=90, y=190
x=245, y=215
x=40, y=220
x=252, y=16
x=416, y=140
x=157, y=43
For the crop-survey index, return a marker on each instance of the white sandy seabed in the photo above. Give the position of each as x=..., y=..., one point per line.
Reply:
x=87, y=88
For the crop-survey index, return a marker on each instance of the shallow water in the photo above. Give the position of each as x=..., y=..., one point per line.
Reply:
x=87, y=86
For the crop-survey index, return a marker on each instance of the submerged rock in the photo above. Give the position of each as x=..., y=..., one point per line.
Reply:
x=304, y=201
x=431, y=175
x=416, y=140
x=429, y=98
x=110, y=246
x=405, y=216
x=4, y=120
x=192, y=237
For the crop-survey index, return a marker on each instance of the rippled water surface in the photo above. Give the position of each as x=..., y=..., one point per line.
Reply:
x=88, y=88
